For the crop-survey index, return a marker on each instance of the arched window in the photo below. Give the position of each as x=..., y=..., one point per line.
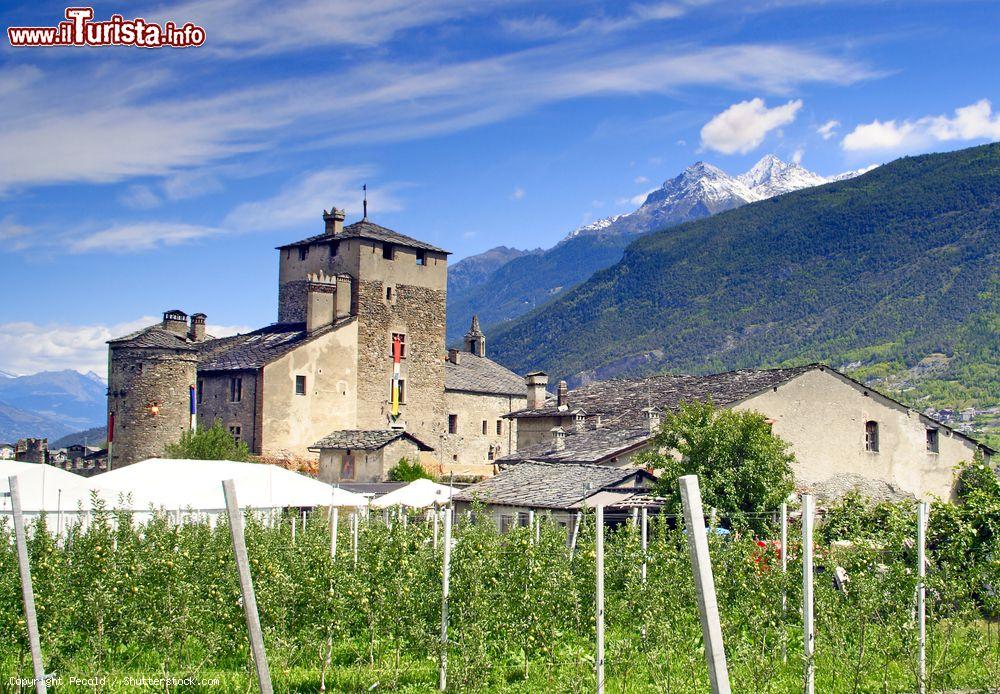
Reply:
x=871, y=436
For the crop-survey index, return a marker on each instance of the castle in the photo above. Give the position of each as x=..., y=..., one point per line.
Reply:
x=355, y=368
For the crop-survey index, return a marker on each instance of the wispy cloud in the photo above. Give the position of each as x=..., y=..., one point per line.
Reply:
x=742, y=127
x=974, y=122
x=828, y=129
x=142, y=236
x=140, y=127
x=14, y=236
x=545, y=27
x=27, y=347
x=140, y=197
x=517, y=194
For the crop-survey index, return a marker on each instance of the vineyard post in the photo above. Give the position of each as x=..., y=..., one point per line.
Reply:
x=599, y=598
x=437, y=523
x=538, y=528
x=445, y=581
x=27, y=594
x=644, y=535
x=701, y=563
x=531, y=525
x=922, y=594
x=808, y=633
x=355, y=521
x=576, y=534
x=784, y=570
x=334, y=525
x=246, y=587
x=304, y=517
x=294, y=522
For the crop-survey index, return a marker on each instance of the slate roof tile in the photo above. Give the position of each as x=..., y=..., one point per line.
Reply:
x=476, y=374
x=368, y=230
x=366, y=439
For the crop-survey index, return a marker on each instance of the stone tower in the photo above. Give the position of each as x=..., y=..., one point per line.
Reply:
x=475, y=339
x=149, y=376
x=398, y=288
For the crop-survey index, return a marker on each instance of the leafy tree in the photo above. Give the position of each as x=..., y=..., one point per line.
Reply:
x=743, y=468
x=214, y=443
x=406, y=471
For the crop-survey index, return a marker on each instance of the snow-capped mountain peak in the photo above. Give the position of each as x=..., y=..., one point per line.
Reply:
x=771, y=176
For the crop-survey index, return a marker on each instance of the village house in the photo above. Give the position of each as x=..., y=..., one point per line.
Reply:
x=558, y=490
x=840, y=430
x=6, y=451
x=358, y=354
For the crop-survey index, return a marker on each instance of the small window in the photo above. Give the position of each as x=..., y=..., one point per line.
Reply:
x=485, y=427
x=303, y=252
x=138, y=368
x=236, y=431
x=334, y=248
x=300, y=385
x=387, y=251
x=402, y=345
x=201, y=390
x=235, y=389
x=491, y=454
x=871, y=436
x=421, y=258
x=388, y=293
x=499, y=427
x=932, y=440
x=523, y=518
x=505, y=523
x=453, y=424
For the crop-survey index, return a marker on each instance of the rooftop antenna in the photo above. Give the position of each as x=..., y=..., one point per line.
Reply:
x=364, y=188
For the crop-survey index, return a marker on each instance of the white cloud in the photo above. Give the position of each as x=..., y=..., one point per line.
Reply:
x=190, y=184
x=14, y=236
x=641, y=179
x=635, y=200
x=973, y=122
x=301, y=202
x=140, y=198
x=142, y=125
x=140, y=236
x=517, y=194
x=743, y=126
x=27, y=347
x=797, y=155
x=544, y=27
x=826, y=131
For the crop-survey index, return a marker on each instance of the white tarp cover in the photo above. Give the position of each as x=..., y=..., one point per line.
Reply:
x=197, y=484
x=44, y=488
x=417, y=494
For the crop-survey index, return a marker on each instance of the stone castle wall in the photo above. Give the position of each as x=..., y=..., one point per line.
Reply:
x=139, y=381
x=216, y=404
x=467, y=452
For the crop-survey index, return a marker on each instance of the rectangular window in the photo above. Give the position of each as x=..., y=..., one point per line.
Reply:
x=485, y=427
x=235, y=389
x=303, y=252
x=402, y=345
x=201, y=390
x=505, y=523
x=499, y=427
x=421, y=258
x=387, y=251
x=871, y=436
x=334, y=248
x=300, y=385
x=236, y=431
x=932, y=440
x=523, y=518
x=453, y=424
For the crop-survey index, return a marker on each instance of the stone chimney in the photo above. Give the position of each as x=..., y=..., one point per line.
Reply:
x=321, y=291
x=558, y=438
x=334, y=221
x=536, y=382
x=652, y=416
x=455, y=356
x=176, y=321
x=598, y=423
x=562, y=394
x=579, y=420
x=196, y=332
x=345, y=297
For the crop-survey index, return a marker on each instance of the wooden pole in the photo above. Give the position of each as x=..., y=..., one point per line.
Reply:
x=538, y=528
x=784, y=570
x=355, y=521
x=808, y=631
x=437, y=523
x=334, y=526
x=599, y=598
x=701, y=562
x=27, y=593
x=246, y=587
x=644, y=537
x=445, y=584
x=531, y=525
x=922, y=516
x=294, y=522
x=576, y=534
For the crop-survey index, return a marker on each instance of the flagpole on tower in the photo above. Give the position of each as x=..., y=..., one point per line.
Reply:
x=364, y=188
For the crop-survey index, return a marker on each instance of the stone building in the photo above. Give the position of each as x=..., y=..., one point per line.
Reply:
x=31, y=450
x=841, y=431
x=6, y=451
x=365, y=456
x=359, y=346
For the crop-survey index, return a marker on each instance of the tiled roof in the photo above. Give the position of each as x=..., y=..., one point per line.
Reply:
x=368, y=230
x=588, y=446
x=481, y=375
x=543, y=485
x=257, y=348
x=366, y=439
x=621, y=401
x=154, y=336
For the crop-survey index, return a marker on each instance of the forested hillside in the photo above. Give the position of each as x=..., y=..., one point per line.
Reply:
x=878, y=272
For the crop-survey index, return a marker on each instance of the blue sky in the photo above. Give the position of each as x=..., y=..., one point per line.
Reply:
x=132, y=181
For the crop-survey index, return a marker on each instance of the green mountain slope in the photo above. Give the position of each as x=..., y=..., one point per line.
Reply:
x=879, y=271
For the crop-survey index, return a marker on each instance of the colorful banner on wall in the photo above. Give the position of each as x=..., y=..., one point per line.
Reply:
x=397, y=354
